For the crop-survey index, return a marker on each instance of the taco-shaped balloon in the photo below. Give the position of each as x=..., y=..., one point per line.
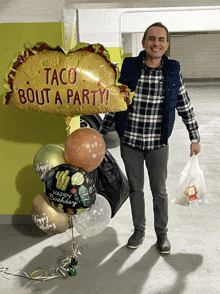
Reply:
x=81, y=81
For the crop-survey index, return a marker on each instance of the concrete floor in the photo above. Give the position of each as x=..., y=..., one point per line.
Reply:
x=106, y=266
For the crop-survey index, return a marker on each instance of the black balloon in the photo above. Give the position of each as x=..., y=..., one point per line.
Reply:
x=69, y=188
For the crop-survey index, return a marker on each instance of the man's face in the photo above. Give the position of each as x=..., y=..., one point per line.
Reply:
x=155, y=43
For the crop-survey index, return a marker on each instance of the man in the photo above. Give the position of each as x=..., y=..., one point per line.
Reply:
x=145, y=127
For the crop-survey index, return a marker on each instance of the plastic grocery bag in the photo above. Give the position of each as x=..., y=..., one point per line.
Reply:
x=191, y=189
x=111, y=182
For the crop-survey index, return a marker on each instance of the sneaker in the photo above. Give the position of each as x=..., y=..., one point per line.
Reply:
x=163, y=244
x=136, y=239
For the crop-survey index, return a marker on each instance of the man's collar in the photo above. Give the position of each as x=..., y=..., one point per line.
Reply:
x=142, y=55
x=157, y=67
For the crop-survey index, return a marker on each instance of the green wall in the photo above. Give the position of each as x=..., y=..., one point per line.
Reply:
x=116, y=55
x=23, y=133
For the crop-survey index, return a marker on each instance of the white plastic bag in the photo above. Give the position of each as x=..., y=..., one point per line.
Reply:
x=191, y=188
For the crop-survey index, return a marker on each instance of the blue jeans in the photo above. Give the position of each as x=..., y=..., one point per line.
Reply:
x=156, y=163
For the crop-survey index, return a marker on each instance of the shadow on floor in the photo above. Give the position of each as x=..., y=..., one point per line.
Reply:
x=21, y=237
x=104, y=268
x=184, y=264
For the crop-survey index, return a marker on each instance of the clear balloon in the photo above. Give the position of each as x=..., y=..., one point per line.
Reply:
x=85, y=148
x=93, y=221
x=47, y=157
x=46, y=217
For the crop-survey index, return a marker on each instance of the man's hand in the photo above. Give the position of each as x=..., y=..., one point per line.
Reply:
x=194, y=149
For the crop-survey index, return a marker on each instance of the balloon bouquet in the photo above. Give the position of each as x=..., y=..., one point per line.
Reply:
x=81, y=81
x=70, y=198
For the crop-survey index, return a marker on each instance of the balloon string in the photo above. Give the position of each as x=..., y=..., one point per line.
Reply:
x=72, y=234
x=4, y=271
x=68, y=264
x=76, y=250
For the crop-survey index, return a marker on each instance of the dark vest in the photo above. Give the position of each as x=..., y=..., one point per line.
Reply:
x=130, y=73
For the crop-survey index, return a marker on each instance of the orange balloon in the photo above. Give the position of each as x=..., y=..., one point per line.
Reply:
x=46, y=217
x=85, y=148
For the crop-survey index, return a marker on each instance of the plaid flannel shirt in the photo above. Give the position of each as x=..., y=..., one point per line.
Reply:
x=145, y=118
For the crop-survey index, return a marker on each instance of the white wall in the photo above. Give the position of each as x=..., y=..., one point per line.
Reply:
x=31, y=11
x=127, y=43
x=137, y=43
x=176, y=19
x=70, y=27
x=106, y=25
x=100, y=26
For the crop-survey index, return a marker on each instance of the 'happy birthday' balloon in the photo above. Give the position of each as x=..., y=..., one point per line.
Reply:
x=69, y=189
x=81, y=81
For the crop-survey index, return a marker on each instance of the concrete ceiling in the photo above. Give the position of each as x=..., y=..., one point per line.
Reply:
x=99, y=4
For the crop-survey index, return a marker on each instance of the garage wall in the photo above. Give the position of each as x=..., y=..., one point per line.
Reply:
x=177, y=19
x=127, y=42
x=106, y=26
x=23, y=133
x=199, y=54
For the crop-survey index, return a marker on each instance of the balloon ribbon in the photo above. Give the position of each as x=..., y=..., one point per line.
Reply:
x=70, y=264
x=68, y=267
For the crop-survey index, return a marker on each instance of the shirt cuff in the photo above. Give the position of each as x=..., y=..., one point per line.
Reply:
x=195, y=140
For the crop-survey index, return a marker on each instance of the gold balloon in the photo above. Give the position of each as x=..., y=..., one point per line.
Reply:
x=82, y=81
x=47, y=157
x=46, y=217
x=85, y=148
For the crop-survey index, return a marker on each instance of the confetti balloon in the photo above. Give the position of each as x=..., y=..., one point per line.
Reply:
x=47, y=157
x=46, y=217
x=94, y=220
x=69, y=189
x=85, y=148
x=81, y=81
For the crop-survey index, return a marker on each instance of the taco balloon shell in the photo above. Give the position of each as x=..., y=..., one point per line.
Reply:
x=81, y=81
